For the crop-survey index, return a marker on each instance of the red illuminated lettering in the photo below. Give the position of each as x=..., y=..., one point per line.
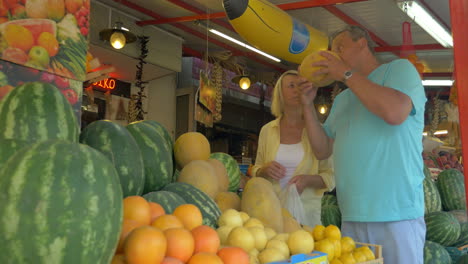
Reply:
x=108, y=84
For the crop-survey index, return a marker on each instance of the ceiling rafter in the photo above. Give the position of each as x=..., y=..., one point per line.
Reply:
x=196, y=33
x=204, y=16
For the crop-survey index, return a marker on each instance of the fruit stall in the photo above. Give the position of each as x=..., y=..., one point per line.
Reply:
x=116, y=192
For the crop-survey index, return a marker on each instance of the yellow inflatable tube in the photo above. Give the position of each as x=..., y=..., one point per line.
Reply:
x=272, y=30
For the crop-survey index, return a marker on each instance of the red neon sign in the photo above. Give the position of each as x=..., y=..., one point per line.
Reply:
x=108, y=84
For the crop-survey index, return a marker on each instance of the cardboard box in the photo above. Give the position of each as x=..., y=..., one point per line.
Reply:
x=315, y=257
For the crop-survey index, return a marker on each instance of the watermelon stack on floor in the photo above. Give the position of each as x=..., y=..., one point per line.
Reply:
x=168, y=200
x=8, y=147
x=119, y=146
x=157, y=155
x=434, y=253
x=232, y=168
x=62, y=203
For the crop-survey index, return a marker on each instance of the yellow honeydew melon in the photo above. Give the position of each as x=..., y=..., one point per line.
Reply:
x=221, y=173
x=300, y=242
x=244, y=216
x=290, y=224
x=270, y=233
x=228, y=200
x=230, y=217
x=223, y=233
x=281, y=236
x=241, y=237
x=252, y=222
x=259, y=236
x=200, y=174
x=191, y=146
x=259, y=200
x=307, y=70
x=270, y=255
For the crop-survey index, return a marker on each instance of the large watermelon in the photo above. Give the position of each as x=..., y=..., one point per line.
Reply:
x=434, y=253
x=119, y=146
x=460, y=215
x=8, y=147
x=165, y=134
x=432, y=202
x=168, y=200
x=463, y=238
x=35, y=112
x=330, y=215
x=192, y=195
x=157, y=155
x=451, y=187
x=61, y=203
x=232, y=168
x=442, y=227
x=329, y=199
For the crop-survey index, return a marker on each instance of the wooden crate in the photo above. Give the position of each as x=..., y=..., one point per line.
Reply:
x=377, y=249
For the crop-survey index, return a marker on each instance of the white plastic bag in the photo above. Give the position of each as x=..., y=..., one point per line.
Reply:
x=291, y=200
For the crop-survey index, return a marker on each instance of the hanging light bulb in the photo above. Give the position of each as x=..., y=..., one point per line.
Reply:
x=117, y=40
x=244, y=82
x=323, y=109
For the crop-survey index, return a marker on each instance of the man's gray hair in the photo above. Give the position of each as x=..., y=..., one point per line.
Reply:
x=356, y=33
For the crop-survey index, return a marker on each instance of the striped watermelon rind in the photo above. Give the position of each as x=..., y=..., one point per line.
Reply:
x=62, y=203
x=35, y=112
x=451, y=186
x=119, y=146
x=193, y=195
x=435, y=253
x=432, y=201
x=329, y=199
x=232, y=168
x=168, y=200
x=330, y=215
x=463, y=238
x=157, y=157
x=442, y=227
x=8, y=147
x=165, y=134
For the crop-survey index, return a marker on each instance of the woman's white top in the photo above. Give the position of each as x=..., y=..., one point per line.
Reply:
x=289, y=156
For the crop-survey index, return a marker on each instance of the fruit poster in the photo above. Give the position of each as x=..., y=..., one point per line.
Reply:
x=13, y=75
x=207, y=95
x=47, y=35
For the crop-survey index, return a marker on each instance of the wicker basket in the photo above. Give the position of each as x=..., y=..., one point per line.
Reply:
x=377, y=249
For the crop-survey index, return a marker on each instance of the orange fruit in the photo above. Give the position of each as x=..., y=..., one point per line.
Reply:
x=318, y=232
x=189, y=215
x=180, y=243
x=118, y=259
x=233, y=255
x=127, y=226
x=205, y=258
x=156, y=210
x=137, y=208
x=332, y=232
x=171, y=260
x=326, y=246
x=167, y=221
x=48, y=42
x=206, y=239
x=145, y=245
x=19, y=37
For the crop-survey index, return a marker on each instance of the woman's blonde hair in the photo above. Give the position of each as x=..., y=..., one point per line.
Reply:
x=277, y=104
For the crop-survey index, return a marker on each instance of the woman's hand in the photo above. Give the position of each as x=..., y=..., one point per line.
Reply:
x=273, y=170
x=306, y=180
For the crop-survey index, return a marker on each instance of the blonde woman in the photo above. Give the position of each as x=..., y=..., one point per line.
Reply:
x=284, y=155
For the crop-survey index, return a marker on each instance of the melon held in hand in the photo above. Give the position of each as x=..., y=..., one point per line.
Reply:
x=307, y=71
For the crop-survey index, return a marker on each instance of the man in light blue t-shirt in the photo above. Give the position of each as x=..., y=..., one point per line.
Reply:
x=375, y=134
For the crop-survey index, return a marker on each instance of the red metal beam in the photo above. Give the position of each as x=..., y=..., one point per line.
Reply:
x=416, y=47
x=202, y=16
x=437, y=74
x=192, y=52
x=458, y=14
x=195, y=33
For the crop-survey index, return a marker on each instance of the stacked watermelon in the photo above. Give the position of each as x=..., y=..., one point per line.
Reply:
x=157, y=154
x=330, y=211
x=232, y=168
x=61, y=200
x=119, y=146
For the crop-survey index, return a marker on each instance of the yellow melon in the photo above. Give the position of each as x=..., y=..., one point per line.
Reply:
x=259, y=200
x=289, y=223
x=228, y=200
x=221, y=173
x=191, y=146
x=307, y=70
x=200, y=174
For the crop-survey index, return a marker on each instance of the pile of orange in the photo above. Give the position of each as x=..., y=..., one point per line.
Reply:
x=149, y=235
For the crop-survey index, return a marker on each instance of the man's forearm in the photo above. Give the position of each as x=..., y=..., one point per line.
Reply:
x=318, y=139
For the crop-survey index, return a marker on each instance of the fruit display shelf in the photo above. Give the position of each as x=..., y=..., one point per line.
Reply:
x=377, y=249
